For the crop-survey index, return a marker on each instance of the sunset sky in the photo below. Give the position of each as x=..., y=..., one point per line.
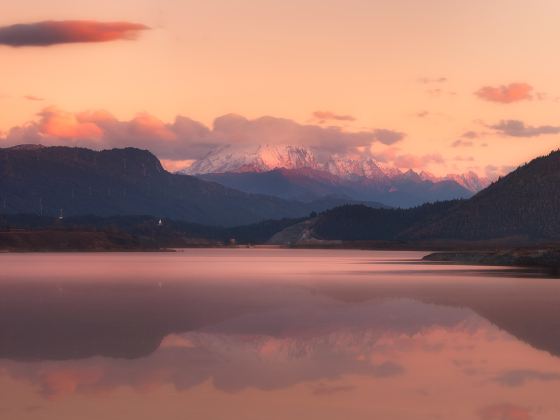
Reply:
x=437, y=85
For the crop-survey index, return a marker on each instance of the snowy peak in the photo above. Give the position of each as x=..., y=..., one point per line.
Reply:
x=470, y=181
x=351, y=168
x=260, y=158
x=264, y=158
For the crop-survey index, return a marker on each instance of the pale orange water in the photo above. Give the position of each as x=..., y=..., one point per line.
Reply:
x=259, y=334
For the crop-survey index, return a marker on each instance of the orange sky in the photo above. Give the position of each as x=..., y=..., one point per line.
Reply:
x=432, y=70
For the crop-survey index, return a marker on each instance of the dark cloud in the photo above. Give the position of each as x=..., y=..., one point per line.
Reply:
x=506, y=94
x=186, y=138
x=388, y=136
x=516, y=128
x=44, y=34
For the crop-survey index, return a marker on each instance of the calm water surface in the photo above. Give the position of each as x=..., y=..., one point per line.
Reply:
x=258, y=334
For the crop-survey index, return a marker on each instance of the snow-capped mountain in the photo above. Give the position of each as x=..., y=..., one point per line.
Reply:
x=296, y=172
x=251, y=158
x=470, y=181
x=263, y=158
x=349, y=168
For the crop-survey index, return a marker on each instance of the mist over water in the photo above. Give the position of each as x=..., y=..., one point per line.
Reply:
x=275, y=334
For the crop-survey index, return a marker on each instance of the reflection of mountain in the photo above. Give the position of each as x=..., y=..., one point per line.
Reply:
x=70, y=320
x=276, y=348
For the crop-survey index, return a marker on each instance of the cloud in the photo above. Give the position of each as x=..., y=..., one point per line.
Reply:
x=493, y=171
x=328, y=390
x=463, y=159
x=506, y=94
x=33, y=98
x=410, y=161
x=437, y=92
x=505, y=411
x=393, y=156
x=323, y=117
x=44, y=34
x=65, y=125
x=515, y=378
x=176, y=165
x=186, y=139
x=432, y=80
x=470, y=135
x=516, y=128
x=462, y=143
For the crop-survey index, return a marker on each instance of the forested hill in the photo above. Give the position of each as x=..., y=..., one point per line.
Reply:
x=356, y=223
x=524, y=204
x=50, y=181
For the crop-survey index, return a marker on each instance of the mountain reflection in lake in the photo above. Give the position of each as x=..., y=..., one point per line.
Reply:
x=274, y=334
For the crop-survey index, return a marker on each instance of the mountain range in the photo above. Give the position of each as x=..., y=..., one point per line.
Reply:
x=522, y=207
x=64, y=181
x=128, y=191
x=296, y=173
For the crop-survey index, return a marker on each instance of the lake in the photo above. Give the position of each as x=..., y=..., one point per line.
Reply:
x=259, y=334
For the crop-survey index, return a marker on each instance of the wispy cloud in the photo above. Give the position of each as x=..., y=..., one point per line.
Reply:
x=47, y=33
x=514, y=378
x=323, y=117
x=462, y=143
x=517, y=128
x=432, y=80
x=506, y=94
x=33, y=98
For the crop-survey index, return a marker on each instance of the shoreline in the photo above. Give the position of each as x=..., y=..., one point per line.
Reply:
x=536, y=257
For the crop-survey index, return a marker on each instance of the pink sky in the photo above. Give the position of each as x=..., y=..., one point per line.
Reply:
x=431, y=70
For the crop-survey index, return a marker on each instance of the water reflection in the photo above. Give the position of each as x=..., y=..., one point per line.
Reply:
x=274, y=334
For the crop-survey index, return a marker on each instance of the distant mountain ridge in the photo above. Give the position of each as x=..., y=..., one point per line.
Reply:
x=525, y=202
x=522, y=207
x=294, y=172
x=266, y=157
x=65, y=181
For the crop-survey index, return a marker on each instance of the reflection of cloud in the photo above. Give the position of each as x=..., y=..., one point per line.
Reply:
x=316, y=342
x=44, y=34
x=514, y=378
x=505, y=412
